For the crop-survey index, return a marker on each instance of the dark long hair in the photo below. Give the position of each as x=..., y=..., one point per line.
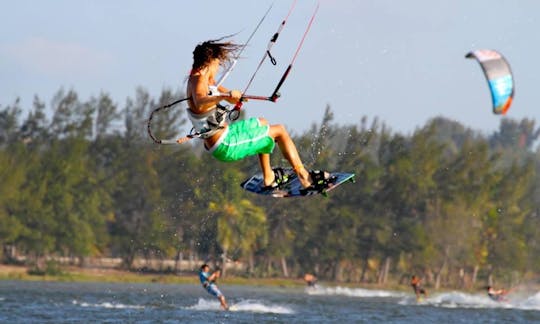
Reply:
x=213, y=49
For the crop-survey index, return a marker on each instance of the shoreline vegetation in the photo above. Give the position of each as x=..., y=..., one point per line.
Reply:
x=454, y=206
x=78, y=274
x=110, y=275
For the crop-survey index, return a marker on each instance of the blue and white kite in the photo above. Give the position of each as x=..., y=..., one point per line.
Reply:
x=499, y=77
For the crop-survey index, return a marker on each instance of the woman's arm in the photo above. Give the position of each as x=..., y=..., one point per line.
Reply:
x=233, y=95
x=199, y=93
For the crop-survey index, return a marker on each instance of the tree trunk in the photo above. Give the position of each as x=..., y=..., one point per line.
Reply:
x=269, y=266
x=475, y=274
x=365, y=263
x=41, y=263
x=462, y=278
x=10, y=253
x=284, y=267
x=129, y=258
x=438, y=274
x=191, y=256
x=178, y=260
x=224, y=263
x=438, y=279
x=251, y=264
x=385, y=269
x=337, y=271
x=82, y=261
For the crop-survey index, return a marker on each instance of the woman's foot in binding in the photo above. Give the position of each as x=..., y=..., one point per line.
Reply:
x=280, y=177
x=317, y=180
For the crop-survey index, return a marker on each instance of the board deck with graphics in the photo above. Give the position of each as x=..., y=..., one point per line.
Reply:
x=293, y=187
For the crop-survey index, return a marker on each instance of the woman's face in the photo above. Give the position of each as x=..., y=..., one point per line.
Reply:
x=213, y=67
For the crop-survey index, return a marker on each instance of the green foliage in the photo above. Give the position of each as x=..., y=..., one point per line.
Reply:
x=52, y=268
x=440, y=201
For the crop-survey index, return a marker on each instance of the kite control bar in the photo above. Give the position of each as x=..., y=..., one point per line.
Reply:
x=273, y=99
x=235, y=112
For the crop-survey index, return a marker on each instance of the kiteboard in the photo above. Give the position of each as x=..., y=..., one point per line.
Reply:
x=292, y=186
x=502, y=298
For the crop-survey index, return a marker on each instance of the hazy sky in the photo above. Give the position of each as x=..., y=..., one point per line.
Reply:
x=401, y=61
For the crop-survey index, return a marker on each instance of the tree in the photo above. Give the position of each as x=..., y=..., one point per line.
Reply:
x=13, y=171
x=107, y=115
x=35, y=127
x=9, y=123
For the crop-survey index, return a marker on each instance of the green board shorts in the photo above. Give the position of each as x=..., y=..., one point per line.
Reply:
x=242, y=139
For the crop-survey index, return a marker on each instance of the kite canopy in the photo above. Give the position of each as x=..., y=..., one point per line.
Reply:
x=499, y=77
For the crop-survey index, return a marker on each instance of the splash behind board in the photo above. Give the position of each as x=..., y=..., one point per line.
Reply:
x=293, y=187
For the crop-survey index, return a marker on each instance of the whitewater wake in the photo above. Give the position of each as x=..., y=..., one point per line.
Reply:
x=106, y=305
x=464, y=300
x=453, y=299
x=253, y=306
x=352, y=292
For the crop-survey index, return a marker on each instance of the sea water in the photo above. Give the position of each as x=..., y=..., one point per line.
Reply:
x=48, y=302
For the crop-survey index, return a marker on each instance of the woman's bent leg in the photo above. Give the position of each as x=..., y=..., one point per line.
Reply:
x=266, y=167
x=289, y=151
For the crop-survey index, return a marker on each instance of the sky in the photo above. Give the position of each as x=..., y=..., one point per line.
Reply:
x=400, y=61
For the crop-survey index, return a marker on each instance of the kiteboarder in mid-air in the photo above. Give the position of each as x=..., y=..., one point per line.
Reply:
x=232, y=142
x=255, y=136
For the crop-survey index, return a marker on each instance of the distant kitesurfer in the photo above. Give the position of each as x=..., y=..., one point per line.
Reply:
x=243, y=138
x=418, y=290
x=208, y=281
x=496, y=294
x=310, y=279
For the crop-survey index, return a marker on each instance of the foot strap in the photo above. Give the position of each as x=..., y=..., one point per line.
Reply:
x=319, y=181
x=280, y=178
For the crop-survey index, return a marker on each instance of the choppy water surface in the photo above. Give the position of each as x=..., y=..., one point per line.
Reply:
x=24, y=302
